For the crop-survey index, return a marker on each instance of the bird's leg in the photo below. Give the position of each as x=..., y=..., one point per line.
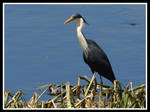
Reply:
x=95, y=86
x=101, y=95
x=101, y=80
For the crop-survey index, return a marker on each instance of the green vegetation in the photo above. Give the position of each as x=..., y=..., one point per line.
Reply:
x=89, y=95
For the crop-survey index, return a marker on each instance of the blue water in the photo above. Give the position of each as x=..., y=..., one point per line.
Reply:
x=40, y=49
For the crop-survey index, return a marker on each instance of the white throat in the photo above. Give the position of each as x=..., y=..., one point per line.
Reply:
x=81, y=38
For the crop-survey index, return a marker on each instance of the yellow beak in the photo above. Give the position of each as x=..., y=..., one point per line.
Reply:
x=70, y=19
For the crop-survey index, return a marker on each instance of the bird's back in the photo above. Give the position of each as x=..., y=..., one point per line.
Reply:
x=98, y=61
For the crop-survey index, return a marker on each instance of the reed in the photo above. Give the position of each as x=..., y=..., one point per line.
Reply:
x=89, y=95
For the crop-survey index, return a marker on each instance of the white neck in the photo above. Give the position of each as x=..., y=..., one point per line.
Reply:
x=81, y=38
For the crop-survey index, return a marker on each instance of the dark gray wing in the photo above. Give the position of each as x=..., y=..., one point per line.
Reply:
x=98, y=61
x=96, y=51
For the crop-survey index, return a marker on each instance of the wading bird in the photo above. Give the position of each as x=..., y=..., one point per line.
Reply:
x=93, y=55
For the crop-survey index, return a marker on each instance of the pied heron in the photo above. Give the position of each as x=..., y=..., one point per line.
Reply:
x=93, y=55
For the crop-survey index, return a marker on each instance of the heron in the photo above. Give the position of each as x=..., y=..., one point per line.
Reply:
x=93, y=55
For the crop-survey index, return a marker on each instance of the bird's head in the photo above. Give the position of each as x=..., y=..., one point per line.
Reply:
x=77, y=17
